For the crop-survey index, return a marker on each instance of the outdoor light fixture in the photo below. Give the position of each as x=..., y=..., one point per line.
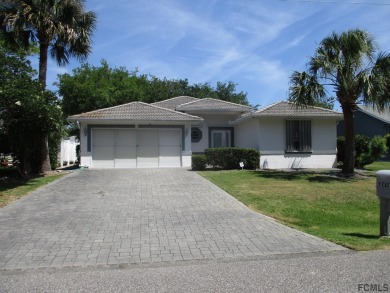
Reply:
x=85, y=130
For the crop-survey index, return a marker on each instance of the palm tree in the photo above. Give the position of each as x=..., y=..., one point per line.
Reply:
x=59, y=27
x=348, y=64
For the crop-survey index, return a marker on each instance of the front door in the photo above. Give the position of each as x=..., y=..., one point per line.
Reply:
x=220, y=138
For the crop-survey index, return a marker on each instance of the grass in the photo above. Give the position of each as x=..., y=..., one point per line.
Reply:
x=12, y=188
x=376, y=166
x=345, y=211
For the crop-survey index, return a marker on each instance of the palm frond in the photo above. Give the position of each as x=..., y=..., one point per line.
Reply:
x=305, y=90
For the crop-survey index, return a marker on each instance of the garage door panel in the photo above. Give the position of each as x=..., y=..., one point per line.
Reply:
x=147, y=156
x=125, y=157
x=125, y=148
x=170, y=137
x=170, y=148
x=103, y=137
x=103, y=156
x=103, y=149
x=170, y=156
x=126, y=137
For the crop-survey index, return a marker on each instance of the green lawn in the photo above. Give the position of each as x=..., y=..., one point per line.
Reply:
x=376, y=166
x=340, y=210
x=12, y=188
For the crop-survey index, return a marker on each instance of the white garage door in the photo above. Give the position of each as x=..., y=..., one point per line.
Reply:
x=131, y=148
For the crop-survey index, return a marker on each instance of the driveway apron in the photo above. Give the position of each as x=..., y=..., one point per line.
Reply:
x=129, y=216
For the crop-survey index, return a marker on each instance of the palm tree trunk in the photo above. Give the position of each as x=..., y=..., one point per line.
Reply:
x=43, y=49
x=349, y=133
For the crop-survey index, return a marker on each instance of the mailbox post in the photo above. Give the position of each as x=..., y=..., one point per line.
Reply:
x=383, y=192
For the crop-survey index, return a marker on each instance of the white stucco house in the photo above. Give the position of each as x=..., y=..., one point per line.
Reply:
x=167, y=133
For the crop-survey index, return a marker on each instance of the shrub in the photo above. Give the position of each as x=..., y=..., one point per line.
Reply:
x=387, y=137
x=366, y=150
x=199, y=162
x=378, y=147
x=229, y=158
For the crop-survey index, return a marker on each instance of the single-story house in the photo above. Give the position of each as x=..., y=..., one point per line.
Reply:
x=167, y=133
x=369, y=121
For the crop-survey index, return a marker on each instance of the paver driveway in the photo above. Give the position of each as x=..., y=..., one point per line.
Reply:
x=103, y=217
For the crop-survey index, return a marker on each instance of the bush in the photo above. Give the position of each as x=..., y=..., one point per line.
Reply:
x=378, y=147
x=387, y=137
x=199, y=162
x=229, y=158
x=366, y=150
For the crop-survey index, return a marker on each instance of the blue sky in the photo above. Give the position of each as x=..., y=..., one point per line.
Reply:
x=257, y=44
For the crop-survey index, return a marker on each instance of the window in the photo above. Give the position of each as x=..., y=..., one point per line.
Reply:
x=298, y=136
x=221, y=138
x=196, y=134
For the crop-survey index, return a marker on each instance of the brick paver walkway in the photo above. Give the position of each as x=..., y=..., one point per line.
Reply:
x=108, y=217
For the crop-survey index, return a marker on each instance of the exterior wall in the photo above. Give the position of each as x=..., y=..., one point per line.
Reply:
x=367, y=125
x=210, y=120
x=247, y=134
x=85, y=155
x=273, y=143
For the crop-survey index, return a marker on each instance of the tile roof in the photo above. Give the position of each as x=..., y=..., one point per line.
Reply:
x=289, y=110
x=383, y=115
x=136, y=111
x=214, y=105
x=174, y=102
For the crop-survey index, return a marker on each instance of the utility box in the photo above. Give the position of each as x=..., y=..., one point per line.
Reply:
x=383, y=192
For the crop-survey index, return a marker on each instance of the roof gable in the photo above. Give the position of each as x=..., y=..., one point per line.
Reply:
x=136, y=111
x=174, y=102
x=208, y=104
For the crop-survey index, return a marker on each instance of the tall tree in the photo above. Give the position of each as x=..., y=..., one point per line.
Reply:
x=59, y=27
x=351, y=64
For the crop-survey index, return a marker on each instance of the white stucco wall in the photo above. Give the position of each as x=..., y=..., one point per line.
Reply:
x=247, y=134
x=273, y=142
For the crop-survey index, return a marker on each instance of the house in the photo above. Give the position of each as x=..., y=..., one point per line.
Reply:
x=369, y=121
x=167, y=133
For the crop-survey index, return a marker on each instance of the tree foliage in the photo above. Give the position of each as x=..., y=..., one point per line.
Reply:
x=350, y=64
x=95, y=87
x=62, y=29
x=28, y=114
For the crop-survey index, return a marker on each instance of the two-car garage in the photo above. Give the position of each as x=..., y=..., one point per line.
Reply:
x=136, y=147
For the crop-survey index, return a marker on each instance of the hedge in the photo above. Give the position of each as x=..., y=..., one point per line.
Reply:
x=199, y=162
x=227, y=158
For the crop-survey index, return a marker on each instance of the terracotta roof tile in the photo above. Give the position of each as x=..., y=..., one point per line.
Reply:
x=209, y=104
x=136, y=111
x=287, y=109
x=174, y=102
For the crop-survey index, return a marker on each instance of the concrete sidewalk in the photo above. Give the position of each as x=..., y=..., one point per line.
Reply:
x=113, y=217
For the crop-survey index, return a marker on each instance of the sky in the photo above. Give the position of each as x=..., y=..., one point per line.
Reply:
x=257, y=44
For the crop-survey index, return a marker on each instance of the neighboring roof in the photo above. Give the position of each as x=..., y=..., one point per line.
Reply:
x=136, y=111
x=214, y=105
x=290, y=110
x=383, y=115
x=174, y=102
